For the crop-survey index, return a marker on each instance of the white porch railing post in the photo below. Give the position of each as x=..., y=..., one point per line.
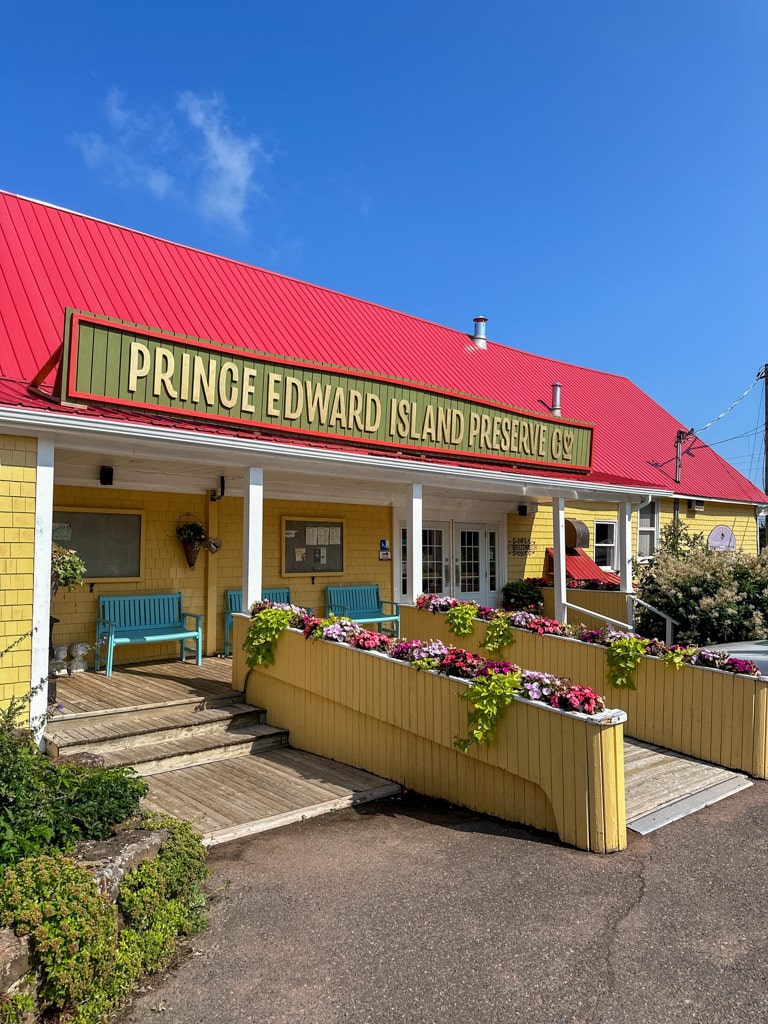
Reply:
x=558, y=533
x=253, y=536
x=625, y=557
x=415, y=521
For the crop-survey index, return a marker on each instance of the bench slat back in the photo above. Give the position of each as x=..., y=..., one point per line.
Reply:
x=278, y=595
x=234, y=600
x=353, y=599
x=135, y=611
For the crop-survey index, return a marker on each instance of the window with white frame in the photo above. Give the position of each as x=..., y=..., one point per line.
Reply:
x=647, y=530
x=605, y=545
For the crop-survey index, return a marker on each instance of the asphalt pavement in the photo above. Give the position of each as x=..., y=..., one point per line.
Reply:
x=408, y=910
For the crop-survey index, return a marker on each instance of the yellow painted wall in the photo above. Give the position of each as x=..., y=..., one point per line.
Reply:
x=556, y=772
x=18, y=461
x=165, y=567
x=528, y=537
x=702, y=712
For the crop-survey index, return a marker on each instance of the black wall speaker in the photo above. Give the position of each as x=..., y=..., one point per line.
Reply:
x=105, y=476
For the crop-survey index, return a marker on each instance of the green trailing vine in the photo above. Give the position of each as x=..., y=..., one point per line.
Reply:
x=263, y=633
x=676, y=657
x=461, y=619
x=489, y=696
x=623, y=656
x=498, y=634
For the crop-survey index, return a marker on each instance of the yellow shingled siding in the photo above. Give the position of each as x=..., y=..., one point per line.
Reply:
x=165, y=568
x=529, y=536
x=18, y=462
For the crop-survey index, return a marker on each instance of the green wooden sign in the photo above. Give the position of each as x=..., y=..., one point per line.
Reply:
x=109, y=361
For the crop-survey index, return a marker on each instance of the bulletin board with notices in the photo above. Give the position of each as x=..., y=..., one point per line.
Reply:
x=312, y=547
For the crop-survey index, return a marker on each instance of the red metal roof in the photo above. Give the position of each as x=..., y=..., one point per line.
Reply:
x=51, y=259
x=580, y=568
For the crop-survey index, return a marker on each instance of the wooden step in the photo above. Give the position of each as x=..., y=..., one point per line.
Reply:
x=200, y=748
x=137, y=728
x=195, y=701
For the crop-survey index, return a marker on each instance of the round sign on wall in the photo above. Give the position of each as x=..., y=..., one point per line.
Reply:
x=721, y=539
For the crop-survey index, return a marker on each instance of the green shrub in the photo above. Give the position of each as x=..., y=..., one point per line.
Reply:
x=715, y=596
x=87, y=968
x=71, y=927
x=47, y=806
x=522, y=595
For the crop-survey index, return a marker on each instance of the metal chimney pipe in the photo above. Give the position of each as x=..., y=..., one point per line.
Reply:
x=556, y=399
x=479, y=336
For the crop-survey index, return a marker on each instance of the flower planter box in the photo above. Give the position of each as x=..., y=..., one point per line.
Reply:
x=556, y=771
x=703, y=712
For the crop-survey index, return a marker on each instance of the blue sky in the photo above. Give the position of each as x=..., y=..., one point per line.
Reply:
x=591, y=176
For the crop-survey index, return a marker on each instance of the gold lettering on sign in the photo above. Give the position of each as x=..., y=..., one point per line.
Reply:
x=228, y=380
x=201, y=380
x=186, y=361
x=250, y=375
x=372, y=413
x=294, y=399
x=138, y=364
x=355, y=411
x=317, y=402
x=273, y=395
x=164, y=367
x=338, y=409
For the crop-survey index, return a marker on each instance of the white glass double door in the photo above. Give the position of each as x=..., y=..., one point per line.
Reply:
x=461, y=560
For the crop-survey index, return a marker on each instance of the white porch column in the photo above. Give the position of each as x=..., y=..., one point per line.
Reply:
x=253, y=536
x=625, y=556
x=558, y=534
x=415, y=521
x=41, y=586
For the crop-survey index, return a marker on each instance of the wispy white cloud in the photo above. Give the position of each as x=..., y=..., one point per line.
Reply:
x=229, y=161
x=190, y=154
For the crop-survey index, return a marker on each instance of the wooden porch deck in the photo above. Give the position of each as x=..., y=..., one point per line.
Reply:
x=229, y=798
x=150, y=684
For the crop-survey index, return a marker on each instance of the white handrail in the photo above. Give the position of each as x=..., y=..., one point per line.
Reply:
x=669, y=622
x=596, y=615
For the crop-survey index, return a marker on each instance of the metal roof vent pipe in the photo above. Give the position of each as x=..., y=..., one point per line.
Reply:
x=555, y=410
x=479, y=336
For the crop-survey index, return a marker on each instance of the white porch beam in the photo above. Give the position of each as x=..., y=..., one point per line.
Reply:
x=558, y=535
x=253, y=536
x=415, y=521
x=41, y=586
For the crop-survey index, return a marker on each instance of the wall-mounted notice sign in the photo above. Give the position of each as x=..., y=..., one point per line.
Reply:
x=312, y=547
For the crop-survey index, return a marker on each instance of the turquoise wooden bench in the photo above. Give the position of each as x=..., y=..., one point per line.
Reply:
x=362, y=603
x=234, y=603
x=146, y=619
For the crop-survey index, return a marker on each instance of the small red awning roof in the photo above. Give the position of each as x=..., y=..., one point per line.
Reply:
x=580, y=568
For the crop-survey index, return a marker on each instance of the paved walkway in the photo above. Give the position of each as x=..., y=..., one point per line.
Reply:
x=409, y=911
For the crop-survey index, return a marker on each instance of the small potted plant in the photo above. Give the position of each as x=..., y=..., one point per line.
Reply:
x=67, y=569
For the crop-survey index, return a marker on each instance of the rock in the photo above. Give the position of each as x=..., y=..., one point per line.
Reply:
x=14, y=958
x=83, y=759
x=111, y=860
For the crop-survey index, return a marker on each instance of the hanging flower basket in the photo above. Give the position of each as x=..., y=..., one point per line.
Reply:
x=190, y=532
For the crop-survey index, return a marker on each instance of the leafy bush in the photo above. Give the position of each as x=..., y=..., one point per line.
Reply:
x=715, y=596
x=47, y=806
x=87, y=968
x=522, y=595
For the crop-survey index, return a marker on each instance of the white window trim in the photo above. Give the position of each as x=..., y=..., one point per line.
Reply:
x=646, y=529
x=614, y=544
